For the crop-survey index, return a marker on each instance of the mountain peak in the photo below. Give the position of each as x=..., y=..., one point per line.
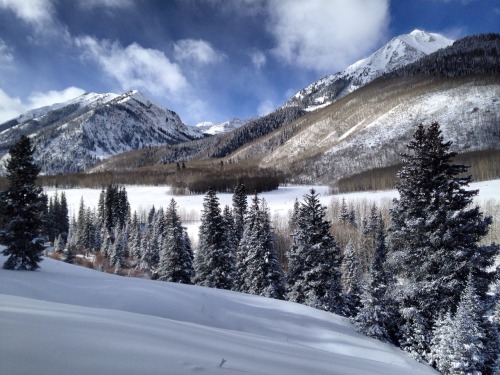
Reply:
x=399, y=51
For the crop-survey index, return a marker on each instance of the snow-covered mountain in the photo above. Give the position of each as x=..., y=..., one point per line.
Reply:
x=210, y=128
x=74, y=135
x=400, y=51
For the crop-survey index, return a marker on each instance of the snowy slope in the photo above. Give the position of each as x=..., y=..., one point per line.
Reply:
x=67, y=319
x=359, y=134
x=74, y=135
x=400, y=51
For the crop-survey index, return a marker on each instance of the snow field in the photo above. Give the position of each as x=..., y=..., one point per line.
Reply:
x=66, y=319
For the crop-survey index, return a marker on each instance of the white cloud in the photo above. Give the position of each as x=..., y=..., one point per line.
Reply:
x=265, y=107
x=198, y=51
x=89, y=4
x=326, y=35
x=134, y=67
x=6, y=56
x=42, y=99
x=11, y=107
x=34, y=12
x=258, y=58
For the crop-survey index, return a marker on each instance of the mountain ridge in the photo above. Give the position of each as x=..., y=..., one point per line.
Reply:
x=399, y=51
x=74, y=135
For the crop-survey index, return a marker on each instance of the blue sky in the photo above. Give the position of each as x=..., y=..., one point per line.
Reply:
x=208, y=60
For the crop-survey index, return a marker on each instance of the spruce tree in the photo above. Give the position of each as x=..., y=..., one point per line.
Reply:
x=434, y=237
x=314, y=266
x=258, y=265
x=375, y=315
x=23, y=206
x=351, y=280
x=468, y=335
x=176, y=256
x=210, y=259
x=239, y=207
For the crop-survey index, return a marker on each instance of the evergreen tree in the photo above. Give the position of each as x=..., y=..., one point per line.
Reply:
x=344, y=212
x=135, y=237
x=210, y=259
x=351, y=280
x=375, y=315
x=258, y=265
x=468, y=336
x=239, y=207
x=23, y=206
x=59, y=244
x=441, y=344
x=68, y=257
x=314, y=265
x=435, y=234
x=176, y=257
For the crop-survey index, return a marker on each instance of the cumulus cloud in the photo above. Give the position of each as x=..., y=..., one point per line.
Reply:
x=42, y=99
x=198, y=51
x=325, y=35
x=11, y=107
x=265, y=107
x=258, y=58
x=34, y=12
x=134, y=67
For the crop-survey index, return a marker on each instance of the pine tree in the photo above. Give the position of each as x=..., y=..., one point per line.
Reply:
x=68, y=257
x=351, y=280
x=23, y=206
x=375, y=315
x=467, y=348
x=258, y=265
x=210, y=259
x=239, y=207
x=435, y=234
x=176, y=257
x=314, y=265
x=344, y=213
x=59, y=244
x=442, y=336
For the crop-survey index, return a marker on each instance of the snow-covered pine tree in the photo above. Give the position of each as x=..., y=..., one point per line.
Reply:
x=434, y=236
x=119, y=249
x=23, y=205
x=210, y=259
x=258, y=265
x=344, y=212
x=68, y=257
x=59, y=244
x=135, y=237
x=442, y=336
x=374, y=317
x=176, y=256
x=351, y=280
x=314, y=265
x=239, y=207
x=468, y=335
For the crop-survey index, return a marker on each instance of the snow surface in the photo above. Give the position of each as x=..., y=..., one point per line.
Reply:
x=66, y=319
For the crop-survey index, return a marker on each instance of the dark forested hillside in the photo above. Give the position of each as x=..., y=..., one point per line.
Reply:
x=476, y=54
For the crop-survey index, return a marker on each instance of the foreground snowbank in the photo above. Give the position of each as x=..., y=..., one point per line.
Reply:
x=64, y=319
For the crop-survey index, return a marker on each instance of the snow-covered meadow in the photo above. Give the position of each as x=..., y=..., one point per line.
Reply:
x=143, y=198
x=66, y=319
